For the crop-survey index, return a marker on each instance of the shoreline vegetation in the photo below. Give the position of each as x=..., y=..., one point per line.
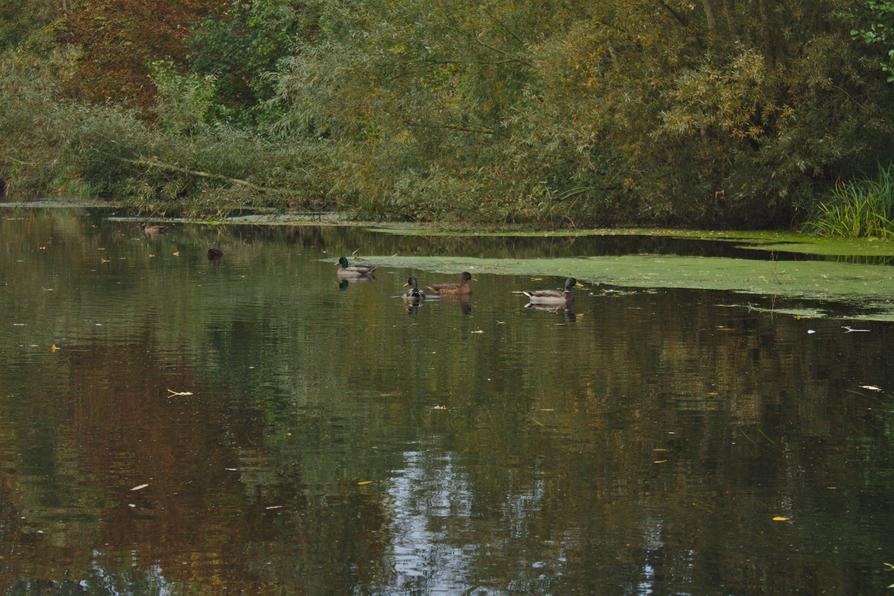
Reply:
x=694, y=115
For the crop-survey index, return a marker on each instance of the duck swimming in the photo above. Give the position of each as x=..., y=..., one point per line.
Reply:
x=554, y=297
x=414, y=294
x=347, y=271
x=153, y=230
x=462, y=287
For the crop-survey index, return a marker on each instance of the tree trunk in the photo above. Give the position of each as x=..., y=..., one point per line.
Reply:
x=709, y=14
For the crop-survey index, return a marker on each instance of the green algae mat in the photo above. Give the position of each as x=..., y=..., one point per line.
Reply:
x=867, y=288
x=790, y=242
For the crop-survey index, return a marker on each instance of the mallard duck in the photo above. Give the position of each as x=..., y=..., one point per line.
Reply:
x=347, y=270
x=414, y=294
x=554, y=297
x=214, y=253
x=153, y=230
x=462, y=287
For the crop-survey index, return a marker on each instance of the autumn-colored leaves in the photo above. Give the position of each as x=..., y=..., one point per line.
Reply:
x=120, y=38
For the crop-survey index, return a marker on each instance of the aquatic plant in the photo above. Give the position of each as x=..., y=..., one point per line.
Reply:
x=859, y=208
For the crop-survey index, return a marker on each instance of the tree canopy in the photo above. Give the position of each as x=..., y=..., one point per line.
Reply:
x=700, y=113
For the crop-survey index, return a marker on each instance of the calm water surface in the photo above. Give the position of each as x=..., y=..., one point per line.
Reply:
x=335, y=442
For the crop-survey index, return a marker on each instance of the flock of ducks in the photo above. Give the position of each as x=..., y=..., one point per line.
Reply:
x=413, y=295
x=555, y=298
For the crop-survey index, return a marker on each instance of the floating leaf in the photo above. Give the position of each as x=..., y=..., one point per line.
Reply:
x=54, y=348
x=139, y=487
x=364, y=482
x=871, y=387
x=660, y=461
x=176, y=253
x=274, y=507
x=781, y=518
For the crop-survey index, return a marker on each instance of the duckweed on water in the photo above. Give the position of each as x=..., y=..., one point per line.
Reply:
x=868, y=287
x=790, y=242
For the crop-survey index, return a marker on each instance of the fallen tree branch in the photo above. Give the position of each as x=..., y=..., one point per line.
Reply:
x=155, y=163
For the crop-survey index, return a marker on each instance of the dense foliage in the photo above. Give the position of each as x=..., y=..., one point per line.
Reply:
x=662, y=111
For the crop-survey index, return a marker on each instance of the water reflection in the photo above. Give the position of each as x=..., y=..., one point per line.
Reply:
x=332, y=444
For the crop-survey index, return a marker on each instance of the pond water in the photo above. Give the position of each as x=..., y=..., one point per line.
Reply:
x=328, y=439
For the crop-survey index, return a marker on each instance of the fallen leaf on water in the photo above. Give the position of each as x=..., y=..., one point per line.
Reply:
x=176, y=253
x=132, y=505
x=439, y=408
x=102, y=260
x=870, y=387
x=364, y=482
x=54, y=348
x=780, y=518
x=889, y=566
x=274, y=507
x=810, y=332
x=660, y=461
x=725, y=329
x=139, y=487
x=230, y=469
x=660, y=449
x=479, y=331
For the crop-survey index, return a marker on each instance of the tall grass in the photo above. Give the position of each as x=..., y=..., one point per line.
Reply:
x=858, y=208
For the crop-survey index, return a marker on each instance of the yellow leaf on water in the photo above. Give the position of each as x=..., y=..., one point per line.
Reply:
x=660, y=461
x=54, y=348
x=781, y=518
x=364, y=482
x=176, y=253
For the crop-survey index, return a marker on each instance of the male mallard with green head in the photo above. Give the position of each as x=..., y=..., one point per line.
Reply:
x=462, y=287
x=414, y=294
x=554, y=297
x=346, y=270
